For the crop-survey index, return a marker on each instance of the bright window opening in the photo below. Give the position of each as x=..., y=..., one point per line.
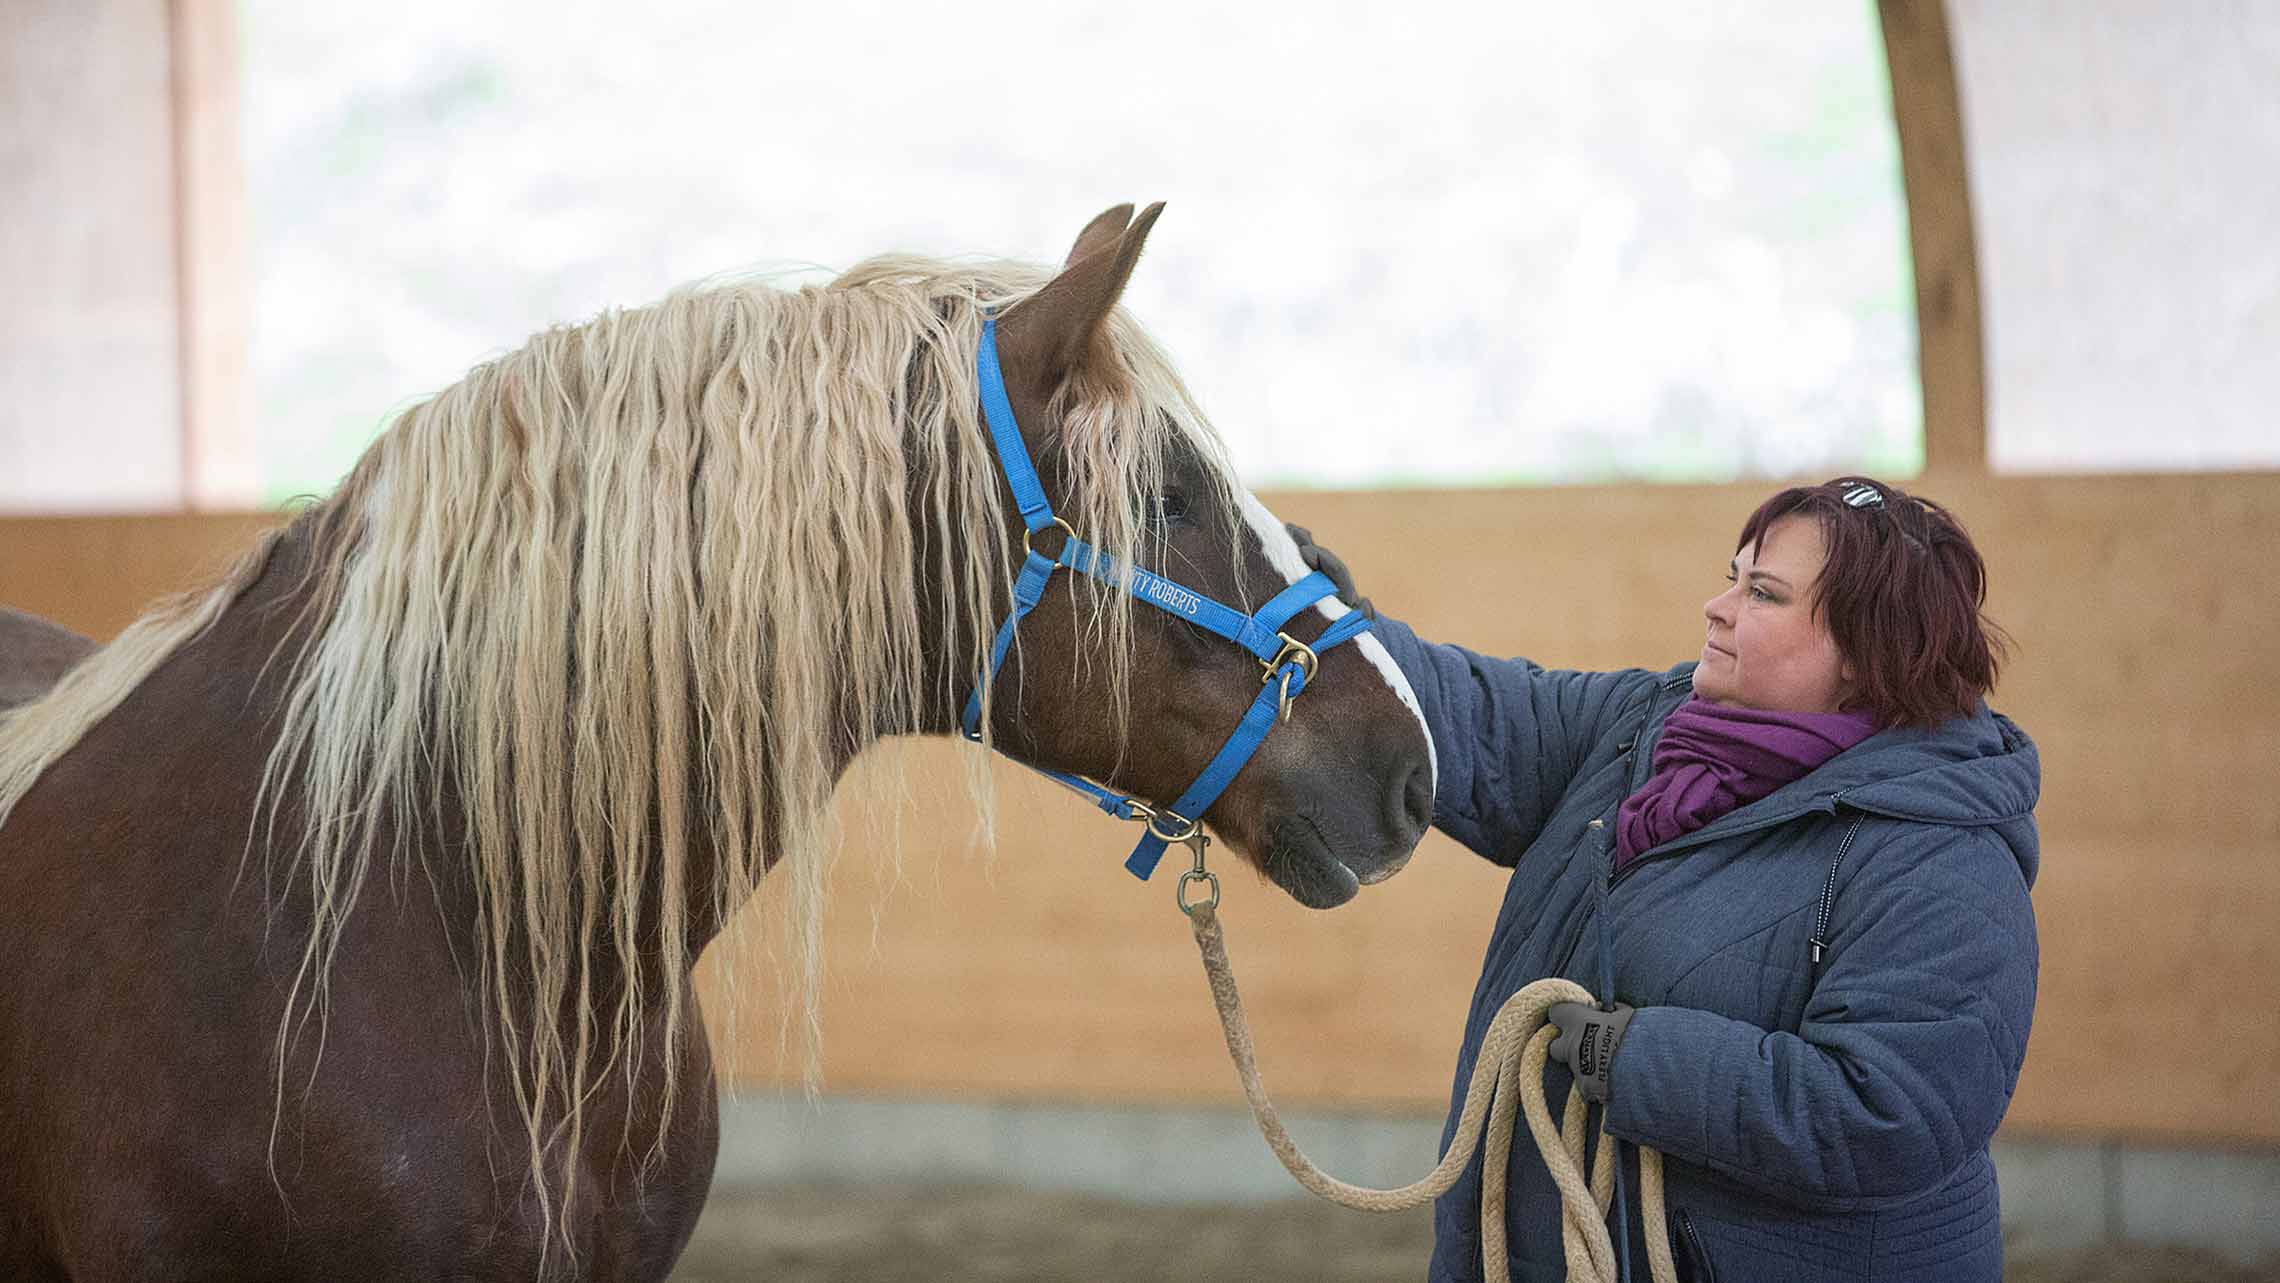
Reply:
x=1438, y=245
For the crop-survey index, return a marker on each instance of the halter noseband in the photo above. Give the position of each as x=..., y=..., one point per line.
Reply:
x=1289, y=664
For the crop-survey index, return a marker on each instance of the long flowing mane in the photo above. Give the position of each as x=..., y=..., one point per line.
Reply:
x=627, y=593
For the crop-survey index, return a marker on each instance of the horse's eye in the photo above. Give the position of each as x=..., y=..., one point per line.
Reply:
x=1169, y=507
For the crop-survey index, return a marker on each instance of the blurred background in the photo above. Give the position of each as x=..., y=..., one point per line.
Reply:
x=1521, y=308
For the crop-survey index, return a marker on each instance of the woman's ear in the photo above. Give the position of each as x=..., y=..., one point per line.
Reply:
x=1848, y=684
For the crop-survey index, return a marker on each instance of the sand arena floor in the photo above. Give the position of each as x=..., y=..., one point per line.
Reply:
x=809, y=1234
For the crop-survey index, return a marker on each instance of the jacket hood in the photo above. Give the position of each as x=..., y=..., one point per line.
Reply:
x=1979, y=771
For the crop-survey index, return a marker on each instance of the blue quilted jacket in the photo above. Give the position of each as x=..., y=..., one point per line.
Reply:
x=1834, y=982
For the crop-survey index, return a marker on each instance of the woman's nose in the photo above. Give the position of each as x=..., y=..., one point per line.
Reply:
x=1715, y=609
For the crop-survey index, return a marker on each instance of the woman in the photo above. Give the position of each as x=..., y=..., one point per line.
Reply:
x=1803, y=863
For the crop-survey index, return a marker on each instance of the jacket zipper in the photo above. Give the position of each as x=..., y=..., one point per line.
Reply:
x=1706, y=1273
x=1598, y=827
x=1820, y=937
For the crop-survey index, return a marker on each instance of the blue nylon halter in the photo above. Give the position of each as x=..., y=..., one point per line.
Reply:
x=1289, y=663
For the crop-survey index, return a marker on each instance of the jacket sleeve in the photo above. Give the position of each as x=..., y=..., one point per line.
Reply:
x=1902, y=1066
x=1508, y=734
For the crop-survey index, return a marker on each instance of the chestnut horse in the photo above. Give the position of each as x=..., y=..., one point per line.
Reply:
x=348, y=907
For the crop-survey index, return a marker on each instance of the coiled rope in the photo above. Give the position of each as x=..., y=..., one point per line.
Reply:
x=1508, y=1074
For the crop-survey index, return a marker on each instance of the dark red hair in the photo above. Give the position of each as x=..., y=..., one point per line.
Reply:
x=1903, y=594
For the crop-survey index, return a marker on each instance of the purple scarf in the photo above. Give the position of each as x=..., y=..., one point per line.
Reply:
x=1714, y=758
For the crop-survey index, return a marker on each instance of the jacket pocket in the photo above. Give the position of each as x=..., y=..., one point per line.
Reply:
x=1693, y=1260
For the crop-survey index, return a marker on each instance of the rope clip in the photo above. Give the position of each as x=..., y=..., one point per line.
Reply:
x=1196, y=841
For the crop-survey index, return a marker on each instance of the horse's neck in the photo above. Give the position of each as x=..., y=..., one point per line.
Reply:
x=246, y=661
x=247, y=658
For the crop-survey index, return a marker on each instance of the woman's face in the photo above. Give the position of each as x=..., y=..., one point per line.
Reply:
x=1767, y=647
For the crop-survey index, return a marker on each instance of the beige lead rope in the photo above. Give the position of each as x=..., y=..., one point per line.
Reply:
x=1510, y=1068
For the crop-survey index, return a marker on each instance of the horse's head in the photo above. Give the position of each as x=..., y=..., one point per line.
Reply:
x=1339, y=793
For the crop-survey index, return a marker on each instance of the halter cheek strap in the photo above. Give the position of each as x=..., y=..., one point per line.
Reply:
x=1288, y=663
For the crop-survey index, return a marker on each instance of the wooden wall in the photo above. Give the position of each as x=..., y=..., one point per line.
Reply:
x=2146, y=613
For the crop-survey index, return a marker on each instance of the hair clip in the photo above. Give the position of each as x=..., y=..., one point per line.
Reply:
x=1862, y=495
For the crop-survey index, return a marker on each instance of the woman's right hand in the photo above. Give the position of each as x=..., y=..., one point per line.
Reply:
x=1320, y=558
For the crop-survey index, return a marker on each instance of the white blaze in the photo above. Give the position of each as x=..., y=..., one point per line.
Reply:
x=1282, y=554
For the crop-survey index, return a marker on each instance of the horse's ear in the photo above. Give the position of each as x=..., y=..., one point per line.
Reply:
x=1051, y=332
x=1099, y=234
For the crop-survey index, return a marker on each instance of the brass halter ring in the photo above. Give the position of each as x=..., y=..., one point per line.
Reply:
x=1027, y=535
x=1293, y=650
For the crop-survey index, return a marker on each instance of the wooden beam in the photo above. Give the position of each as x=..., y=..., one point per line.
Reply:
x=1950, y=352
x=210, y=254
x=89, y=394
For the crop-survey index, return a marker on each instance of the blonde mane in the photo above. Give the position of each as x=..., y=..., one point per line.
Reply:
x=634, y=591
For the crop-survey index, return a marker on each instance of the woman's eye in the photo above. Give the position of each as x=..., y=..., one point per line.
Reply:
x=1757, y=591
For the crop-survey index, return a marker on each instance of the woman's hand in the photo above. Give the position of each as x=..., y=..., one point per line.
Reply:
x=1319, y=558
x=1589, y=1038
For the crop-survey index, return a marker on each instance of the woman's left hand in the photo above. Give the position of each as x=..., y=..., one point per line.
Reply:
x=1589, y=1038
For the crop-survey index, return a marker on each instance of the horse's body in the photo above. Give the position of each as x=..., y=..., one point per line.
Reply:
x=138, y=1065
x=222, y=1056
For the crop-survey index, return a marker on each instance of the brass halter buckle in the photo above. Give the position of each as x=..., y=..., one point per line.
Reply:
x=1186, y=830
x=1293, y=650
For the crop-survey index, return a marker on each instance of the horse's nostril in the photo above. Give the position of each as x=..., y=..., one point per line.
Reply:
x=1417, y=797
